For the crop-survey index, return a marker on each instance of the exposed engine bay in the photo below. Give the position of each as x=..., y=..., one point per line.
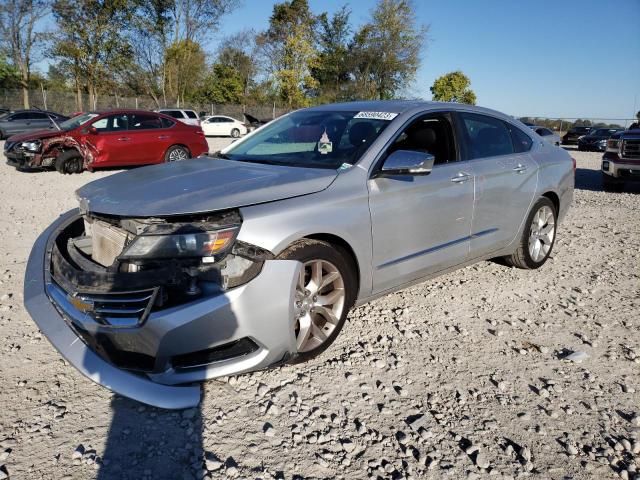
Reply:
x=180, y=258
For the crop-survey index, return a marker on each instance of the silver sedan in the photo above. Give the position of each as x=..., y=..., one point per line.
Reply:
x=176, y=273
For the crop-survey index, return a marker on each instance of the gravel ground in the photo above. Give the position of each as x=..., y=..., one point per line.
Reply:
x=460, y=377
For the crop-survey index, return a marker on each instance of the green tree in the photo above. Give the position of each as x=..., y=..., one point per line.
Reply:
x=95, y=52
x=9, y=75
x=453, y=87
x=185, y=67
x=223, y=85
x=387, y=50
x=332, y=69
x=289, y=45
x=239, y=52
x=20, y=36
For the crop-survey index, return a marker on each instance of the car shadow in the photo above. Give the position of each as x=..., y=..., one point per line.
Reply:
x=591, y=180
x=149, y=442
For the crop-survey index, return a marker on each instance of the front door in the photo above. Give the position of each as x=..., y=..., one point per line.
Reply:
x=421, y=224
x=506, y=180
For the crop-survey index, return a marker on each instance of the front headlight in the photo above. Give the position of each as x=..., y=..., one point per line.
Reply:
x=31, y=146
x=205, y=245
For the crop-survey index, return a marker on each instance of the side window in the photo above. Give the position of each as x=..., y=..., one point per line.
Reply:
x=101, y=125
x=144, y=122
x=166, y=123
x=486, y=136
x=191, y=114
x=173, y=113
x=521, y=141
x=39, y=116
x=213, y=120
x=432, y=134
x=227, y=120
x=112, y=123
x=20, y=116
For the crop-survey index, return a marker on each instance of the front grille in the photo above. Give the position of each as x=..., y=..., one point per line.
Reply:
x=117, y=309
x=630, y=149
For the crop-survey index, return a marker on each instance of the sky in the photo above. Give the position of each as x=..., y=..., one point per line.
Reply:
x=548, y=58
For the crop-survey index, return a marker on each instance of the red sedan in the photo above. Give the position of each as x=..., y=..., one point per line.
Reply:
x=116, y=138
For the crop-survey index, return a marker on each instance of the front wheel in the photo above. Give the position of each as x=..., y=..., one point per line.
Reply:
x=538, y=237
x=235, y=133
x=325, y=292
x=69, y=162
x=176, y=154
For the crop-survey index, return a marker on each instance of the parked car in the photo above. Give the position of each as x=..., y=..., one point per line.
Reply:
x=113, y=138
x=23, y=121
x=621, y=160
x=185, y=116
x=176, y=273
x=219, y=125
x=253, y=122
x=597, y=139
x=546, y=134
x=573, y=135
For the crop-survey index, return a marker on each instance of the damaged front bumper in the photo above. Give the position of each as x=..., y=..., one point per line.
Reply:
x=245, y=328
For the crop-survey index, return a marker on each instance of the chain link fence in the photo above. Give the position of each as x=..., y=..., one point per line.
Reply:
x=67, y=102
x=563, y=124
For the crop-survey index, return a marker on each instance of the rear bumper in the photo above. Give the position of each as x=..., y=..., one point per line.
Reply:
x=261, y=311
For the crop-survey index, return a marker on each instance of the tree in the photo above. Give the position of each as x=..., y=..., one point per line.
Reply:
x=332, y=70
x=238, y=53
x=20, y=37
x=95, y=52
x=288, y=45
x=185, y=66
x=223, y=85
x=9, y=75
x=453, y=87
x=387, y=50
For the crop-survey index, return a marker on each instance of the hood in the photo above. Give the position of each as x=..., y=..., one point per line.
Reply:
x=37, y=135
x=198, y=186
x=593, y=138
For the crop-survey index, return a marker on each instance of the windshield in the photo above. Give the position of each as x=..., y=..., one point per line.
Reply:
x=603, y=132
x=77, y=121
x=313, y=139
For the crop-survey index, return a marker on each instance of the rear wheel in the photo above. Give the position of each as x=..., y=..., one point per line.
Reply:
x=325, y=292
x=69, y=162
x=235, y=133
x=538, y=237
x=176, y=153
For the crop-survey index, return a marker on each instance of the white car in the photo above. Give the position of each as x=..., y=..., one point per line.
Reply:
x=186, y=116
x=219, y=125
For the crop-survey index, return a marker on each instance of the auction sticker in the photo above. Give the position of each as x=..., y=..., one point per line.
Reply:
x=376, y=115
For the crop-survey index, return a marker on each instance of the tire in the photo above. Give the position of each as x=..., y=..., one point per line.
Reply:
x=611, y=185
x=69, y=162
x=235, y=133
x=176, y=153
x=329, y=260
x=525, y=256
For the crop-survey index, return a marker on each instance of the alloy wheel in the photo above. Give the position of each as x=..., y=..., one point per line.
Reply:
x=319, y=304
x=177, y=155
x=543, y=230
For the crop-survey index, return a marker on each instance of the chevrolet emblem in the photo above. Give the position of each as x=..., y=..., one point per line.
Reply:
x=80, y=303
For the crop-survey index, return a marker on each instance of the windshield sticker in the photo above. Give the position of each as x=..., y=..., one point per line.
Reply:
x=325, y=145
x=377, y=115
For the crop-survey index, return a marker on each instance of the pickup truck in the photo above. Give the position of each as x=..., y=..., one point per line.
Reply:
x=621, y=160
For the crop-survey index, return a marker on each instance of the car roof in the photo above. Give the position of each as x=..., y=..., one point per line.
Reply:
x=36, y=110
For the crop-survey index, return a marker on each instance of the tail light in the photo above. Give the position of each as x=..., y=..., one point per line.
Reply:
x=199, y=131
x=573, y=160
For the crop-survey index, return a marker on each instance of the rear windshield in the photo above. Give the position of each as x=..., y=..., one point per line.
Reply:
x=173, y=113
x=313, y=139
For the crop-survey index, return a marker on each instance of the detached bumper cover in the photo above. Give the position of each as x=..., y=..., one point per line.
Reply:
x=261, y=310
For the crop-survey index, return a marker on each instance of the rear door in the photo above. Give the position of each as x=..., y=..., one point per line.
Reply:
x=506, y=179
x=149, y=138
x=40, y=121
x=18, y=123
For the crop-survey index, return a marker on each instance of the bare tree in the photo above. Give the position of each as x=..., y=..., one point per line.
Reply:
x=20, y=37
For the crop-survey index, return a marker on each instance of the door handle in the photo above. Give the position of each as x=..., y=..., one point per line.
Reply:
x=520, y=168
x=124, y=139
x=461, y=177
x=163, y=137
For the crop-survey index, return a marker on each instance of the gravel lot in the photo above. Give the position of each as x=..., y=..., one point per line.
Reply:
x=459, y=377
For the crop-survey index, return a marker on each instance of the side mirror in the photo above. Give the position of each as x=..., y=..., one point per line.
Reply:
x=92, y=130
x=408, y=162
